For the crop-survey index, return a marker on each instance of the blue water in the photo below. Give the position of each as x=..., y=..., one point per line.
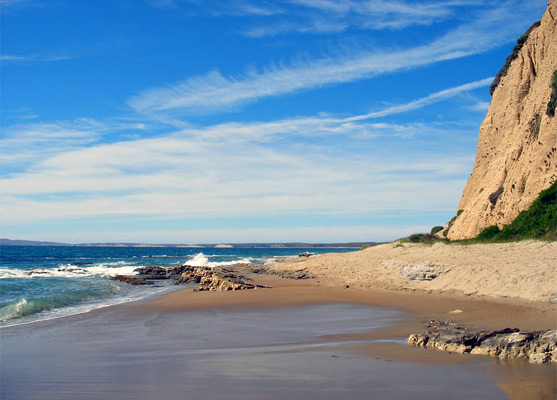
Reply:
x=38, y=283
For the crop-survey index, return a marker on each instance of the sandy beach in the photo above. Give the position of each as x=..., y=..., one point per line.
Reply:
x=520, y=272
x=314, y=338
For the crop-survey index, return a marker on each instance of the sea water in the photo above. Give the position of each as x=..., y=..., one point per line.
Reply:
x=44, y=282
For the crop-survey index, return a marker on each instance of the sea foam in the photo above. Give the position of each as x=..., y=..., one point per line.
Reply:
x=69, y=271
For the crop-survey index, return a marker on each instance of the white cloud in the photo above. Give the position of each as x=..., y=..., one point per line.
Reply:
x=480, y=106
x=31, y=58
x=215, y=91
x=232, y=168
x=337, y=16
x=29, y=144
x=425, y=101
x=235, y=170
x=312, y=166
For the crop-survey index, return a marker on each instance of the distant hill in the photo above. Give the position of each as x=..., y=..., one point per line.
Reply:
x=9, y=242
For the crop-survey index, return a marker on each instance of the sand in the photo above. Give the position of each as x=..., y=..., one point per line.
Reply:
x=314, y=338
x=524, y=271
x=486, y=286
x=313, y=347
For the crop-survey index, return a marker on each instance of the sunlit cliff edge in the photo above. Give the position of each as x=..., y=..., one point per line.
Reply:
x=517, y=147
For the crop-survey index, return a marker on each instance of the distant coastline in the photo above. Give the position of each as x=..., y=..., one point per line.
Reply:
x=292, y=245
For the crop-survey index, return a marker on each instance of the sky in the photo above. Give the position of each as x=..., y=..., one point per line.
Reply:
x=207, y=121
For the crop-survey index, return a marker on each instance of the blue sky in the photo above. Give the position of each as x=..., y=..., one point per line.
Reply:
x=189, y=121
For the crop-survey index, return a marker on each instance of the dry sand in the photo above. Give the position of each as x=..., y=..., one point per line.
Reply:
x=523, y=271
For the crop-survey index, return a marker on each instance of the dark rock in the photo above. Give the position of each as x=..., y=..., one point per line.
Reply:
x=162, y=273
x=216, y=279
x=306, y=254
x=536, y=346
x=206, y=278
x=283, y=273
x=130, y=281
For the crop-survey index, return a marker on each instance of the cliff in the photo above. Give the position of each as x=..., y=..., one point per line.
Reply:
x=517, y=147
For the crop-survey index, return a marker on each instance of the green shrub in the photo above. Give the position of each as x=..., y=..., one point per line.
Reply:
x=436, y=229
x=365, y=246
x=422, y=238
x=451, y=222
x=488, y=233
x=538, y=222
x=519, y=43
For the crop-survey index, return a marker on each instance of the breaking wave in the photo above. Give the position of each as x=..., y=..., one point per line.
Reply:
x=70, y=271
x=201, y=260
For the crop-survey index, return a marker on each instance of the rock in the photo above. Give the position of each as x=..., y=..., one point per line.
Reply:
x=293, y=274
x=130, y=281
x=215, y=279
x=516, y=156
x=270, y=269
x=421, y=271
x=162, y=273
x=206, y=278
x=536, y=346
x=306, y=254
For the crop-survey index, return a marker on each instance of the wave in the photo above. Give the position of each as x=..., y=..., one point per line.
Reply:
x=201, y=260
x=29, y=306
x=27, y=311
x=70, y=271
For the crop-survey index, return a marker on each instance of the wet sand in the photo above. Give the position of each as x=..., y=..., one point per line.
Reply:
x=296, y=340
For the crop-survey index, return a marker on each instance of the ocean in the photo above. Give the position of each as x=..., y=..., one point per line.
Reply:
x=45, y=282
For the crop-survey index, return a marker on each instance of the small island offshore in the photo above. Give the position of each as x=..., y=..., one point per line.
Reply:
x=465, y=311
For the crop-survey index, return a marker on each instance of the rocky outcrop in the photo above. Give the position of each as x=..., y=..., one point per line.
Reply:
x=206, y=278
x=538, y=346
x=130, y=280
x=156, y=273
x=216, y=279
x=517, y=147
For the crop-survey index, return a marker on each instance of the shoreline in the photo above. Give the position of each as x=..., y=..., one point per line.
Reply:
x=419, y=306
x=480, y=311
x=157, y=332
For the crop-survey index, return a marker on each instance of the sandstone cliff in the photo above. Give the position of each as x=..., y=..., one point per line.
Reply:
x=517, y=147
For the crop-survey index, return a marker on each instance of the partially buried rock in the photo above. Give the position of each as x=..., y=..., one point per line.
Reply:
x=425, y=271
x=130, y=281
x=536, y=346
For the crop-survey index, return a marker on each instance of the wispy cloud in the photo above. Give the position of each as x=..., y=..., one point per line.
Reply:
x=235, y=169
x=29, y=144
x=424, y=101
x=216, y=8
x=480, y=106
x=33, y=58
x=215, y=91
x=11, y=3
x=336, y=16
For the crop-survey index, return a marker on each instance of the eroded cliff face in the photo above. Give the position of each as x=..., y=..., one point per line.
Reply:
x=517, y=147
